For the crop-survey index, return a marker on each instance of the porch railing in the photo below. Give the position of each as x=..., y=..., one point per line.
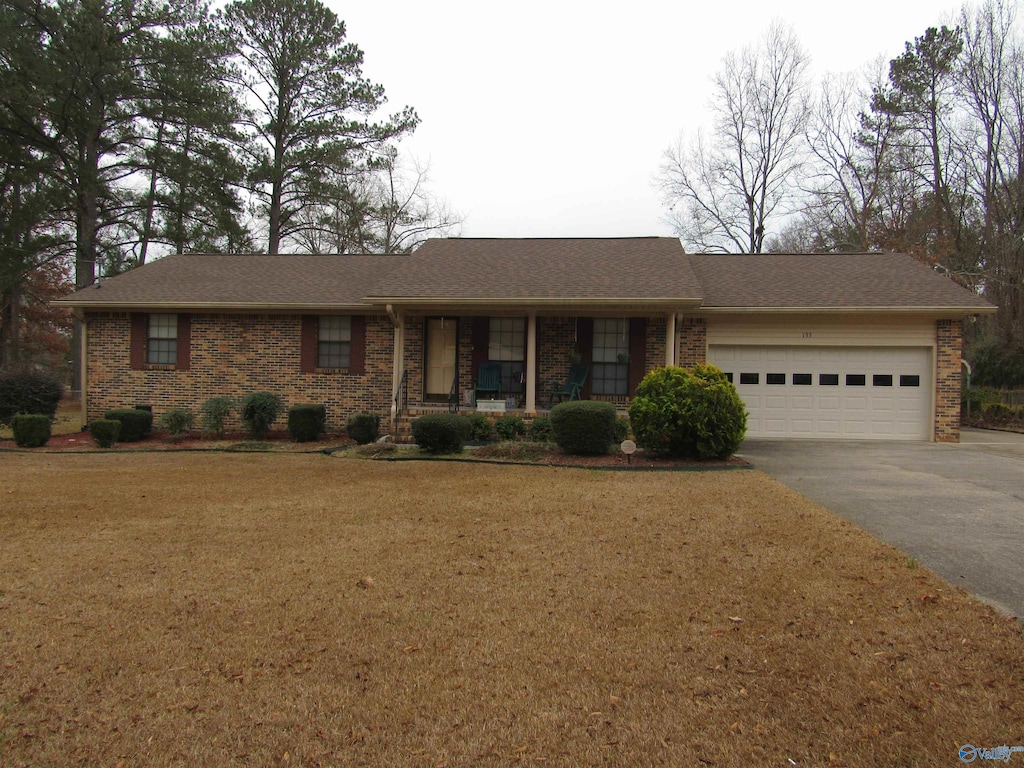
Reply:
x=402, y=393
x=454, y=396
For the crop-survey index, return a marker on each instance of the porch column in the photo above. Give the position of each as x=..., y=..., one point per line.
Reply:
x=397, y=362
x=531, y=364
x=670, y=340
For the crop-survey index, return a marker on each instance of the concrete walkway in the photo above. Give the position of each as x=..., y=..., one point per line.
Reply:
x=958, y=509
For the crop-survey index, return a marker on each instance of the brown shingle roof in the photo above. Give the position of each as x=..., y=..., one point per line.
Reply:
x=247, y=280
x=831, y=281
x=629, y=268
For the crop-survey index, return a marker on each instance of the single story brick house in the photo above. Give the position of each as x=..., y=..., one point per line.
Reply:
x=818, y=346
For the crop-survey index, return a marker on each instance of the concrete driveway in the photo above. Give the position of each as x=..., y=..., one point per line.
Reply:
x=957, y=509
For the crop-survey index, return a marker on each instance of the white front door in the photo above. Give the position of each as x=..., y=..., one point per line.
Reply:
x=871, y=393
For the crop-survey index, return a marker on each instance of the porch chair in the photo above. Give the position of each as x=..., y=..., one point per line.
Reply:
x=573, y=387
x=488, y=380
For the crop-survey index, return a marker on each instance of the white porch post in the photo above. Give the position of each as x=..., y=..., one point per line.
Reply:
x=670, y=340
x=399, y=361
x=531, y=364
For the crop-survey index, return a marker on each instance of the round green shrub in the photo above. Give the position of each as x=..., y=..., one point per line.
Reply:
x=363, y=427
x=28, y=392
x=692, y=412
x=177, y=421
x=541, y=430
x=136, y=424
x=480, y=428
x=213, y=413
x=259, y=411
x=306, y=421
x=439, y=432
x=510, y=427
x=31, y=430
x=105, y=431
x=584, y=427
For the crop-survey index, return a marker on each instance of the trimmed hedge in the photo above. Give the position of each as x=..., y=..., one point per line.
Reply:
x=136, y=424
x=692, y=412
x=105, y=431
x=31, y=430
x=584, y=427
x=363, y=427
x=24, y=392
x=259, y=411
x=177, y=421
x=541, y=430
x=480, y=427
x=510, y=427
x=306, y=421
x=439, y=432
x=213, y=413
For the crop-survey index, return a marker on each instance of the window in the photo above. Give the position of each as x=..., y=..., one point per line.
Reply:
x=728, y=377
x=611, y=372
x=828, y=379
x=802, y=379
x=910, y=381
x=775, y=378
x=750, y=378
x=334, y=342
x=162, y=340
x=881, y=380
x=506, y=344
x=856, y=380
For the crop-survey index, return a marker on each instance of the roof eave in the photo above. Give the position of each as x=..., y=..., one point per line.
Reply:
x=215, y=306
x=833, y=309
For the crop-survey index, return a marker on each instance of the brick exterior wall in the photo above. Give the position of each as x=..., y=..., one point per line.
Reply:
x=234, y=355
x=656, y=343
x=412, y=359
x=948, y=347
x=692, y=340
x=556, y=341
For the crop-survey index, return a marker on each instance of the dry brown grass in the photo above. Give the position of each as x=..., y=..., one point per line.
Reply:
x=303, y=610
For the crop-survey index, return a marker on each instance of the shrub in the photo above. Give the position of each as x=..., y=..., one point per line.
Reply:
x=1020, y=413
x=105, y=431
x=177, y=421
x=259, y=411
x=26, y=392
x=31, y=430
x=998, y=413
x=541, y=430
x=363, y=427
x=974, y=400
x=213, y=413
x=621, y=430
x=439, y=432
x=479, y=427
x=693, y=412
x=135, y=424
x=510, y=427
x=306, y=421
x=583, y=427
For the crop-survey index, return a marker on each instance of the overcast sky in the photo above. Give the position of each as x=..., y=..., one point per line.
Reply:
x=544, y=119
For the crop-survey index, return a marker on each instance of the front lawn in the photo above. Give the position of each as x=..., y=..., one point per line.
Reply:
x=218, y=609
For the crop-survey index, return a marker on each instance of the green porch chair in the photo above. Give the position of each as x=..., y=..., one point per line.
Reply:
x=488, y=380
x=573, y=386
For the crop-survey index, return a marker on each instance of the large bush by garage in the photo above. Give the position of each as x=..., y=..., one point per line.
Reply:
x=690, y=412
x=583, y=427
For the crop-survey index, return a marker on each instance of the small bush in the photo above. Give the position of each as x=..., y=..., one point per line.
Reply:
x=177, y=421
x=584, y=427
x=25, y=392
x=510, y=427
x=105, y=431
x=363, y=427
x=692, y=412
x=213, y=413
x=998, y=413
x=974, y=400
x=621, y=430
x=31, y=430
x=135, y=424
x=541, y=430
x=259, y=411
x=439, y=432
x=480, y=427
x=306, y=421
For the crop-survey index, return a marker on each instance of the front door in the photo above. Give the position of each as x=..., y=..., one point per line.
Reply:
x=441, y=356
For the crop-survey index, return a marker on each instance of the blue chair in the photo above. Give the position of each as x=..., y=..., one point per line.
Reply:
x=573, y=387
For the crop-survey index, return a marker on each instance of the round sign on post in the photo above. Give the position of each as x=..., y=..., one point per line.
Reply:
x=629, y=448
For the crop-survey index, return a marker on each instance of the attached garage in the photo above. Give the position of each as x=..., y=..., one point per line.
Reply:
x=880, y=393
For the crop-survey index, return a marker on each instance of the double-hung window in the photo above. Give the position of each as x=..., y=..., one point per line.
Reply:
x=506, y=344
x=162, y=339
x=334, y=341
x=611, y=356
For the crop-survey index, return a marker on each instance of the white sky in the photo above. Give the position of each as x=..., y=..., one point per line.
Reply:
x=546, y=119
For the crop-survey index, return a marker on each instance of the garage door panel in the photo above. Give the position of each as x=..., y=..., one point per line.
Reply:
x=856, y=392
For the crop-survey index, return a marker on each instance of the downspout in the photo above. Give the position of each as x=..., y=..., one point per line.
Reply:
x=670, y=340
x=396, y=363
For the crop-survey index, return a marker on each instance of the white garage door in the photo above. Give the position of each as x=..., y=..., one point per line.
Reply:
x=873, y=393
